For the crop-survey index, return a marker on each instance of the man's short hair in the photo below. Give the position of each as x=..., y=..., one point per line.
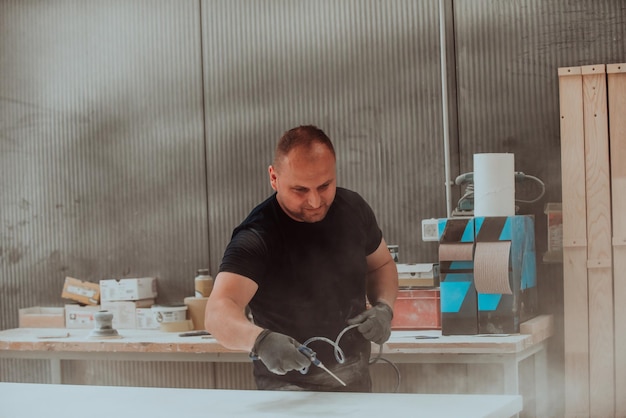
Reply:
x=301, y=136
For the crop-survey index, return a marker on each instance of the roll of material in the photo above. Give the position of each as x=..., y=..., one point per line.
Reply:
x=491, y=267
x=456, y=252
x=494, y=185
x=196, y=307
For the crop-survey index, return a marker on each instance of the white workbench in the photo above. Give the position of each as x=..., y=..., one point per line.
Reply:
x=26, y=400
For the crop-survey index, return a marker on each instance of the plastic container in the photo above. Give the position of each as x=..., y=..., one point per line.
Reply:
x=174, y=313
x=417, y=309
x=196, y=307
x=203, y=283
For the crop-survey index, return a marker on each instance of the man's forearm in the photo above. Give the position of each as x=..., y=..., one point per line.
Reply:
x=382, y=284
x=229, y=325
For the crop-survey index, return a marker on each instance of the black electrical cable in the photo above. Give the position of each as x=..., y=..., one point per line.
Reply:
x=380, y=357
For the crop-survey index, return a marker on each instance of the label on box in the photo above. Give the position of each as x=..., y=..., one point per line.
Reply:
x=124, y=312
x=555, y=232
x=128, y=289
x=146, y=319
x=80, y=316
x=81, y=291
x=86, y=293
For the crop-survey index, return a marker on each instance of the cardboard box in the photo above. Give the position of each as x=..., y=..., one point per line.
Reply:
x=80, y=291
x=128, y=289
x=41, y=317
x=418, y=275
x=124, y=311
x=145, y=319
x=77, y=316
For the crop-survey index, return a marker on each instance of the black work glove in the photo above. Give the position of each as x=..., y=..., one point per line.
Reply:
x=375, y=322
x=279, y=352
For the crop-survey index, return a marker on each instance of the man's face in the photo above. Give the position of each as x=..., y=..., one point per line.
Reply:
x=305, y=182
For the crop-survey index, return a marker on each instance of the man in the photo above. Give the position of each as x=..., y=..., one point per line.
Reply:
x=304, y=261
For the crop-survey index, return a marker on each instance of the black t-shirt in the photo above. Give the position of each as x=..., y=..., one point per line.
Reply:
x=311, y=279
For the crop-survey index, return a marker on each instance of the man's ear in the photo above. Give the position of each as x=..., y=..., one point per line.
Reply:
x=272, y=174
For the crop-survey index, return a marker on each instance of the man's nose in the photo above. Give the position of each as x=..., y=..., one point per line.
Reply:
x=315, y=200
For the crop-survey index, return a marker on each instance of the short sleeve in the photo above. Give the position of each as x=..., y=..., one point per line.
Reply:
x=374, y=235
x=246, y=254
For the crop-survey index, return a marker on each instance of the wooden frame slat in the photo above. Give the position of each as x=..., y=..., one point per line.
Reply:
x=599, y=243
x=576, y=330
x=617, y=131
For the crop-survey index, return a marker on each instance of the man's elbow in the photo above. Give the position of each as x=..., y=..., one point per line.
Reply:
x=211, y=315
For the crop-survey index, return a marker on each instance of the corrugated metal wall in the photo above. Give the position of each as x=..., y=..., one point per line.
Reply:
x=134, y=135
x=103, y=167
x=507, y=55
x=367, y=72
x=102, y=148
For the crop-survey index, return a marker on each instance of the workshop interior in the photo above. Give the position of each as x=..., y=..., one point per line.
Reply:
x=135, y=135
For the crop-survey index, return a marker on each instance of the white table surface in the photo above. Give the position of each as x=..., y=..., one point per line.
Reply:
x=25, y=400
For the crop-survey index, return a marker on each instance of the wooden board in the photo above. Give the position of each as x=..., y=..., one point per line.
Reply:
x=576, y=331
x=540, y=327
x=23, y=400
x=617, y=117
x=599, y=245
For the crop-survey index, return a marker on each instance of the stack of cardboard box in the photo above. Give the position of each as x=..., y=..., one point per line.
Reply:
x=129, y=300
x=87, y=294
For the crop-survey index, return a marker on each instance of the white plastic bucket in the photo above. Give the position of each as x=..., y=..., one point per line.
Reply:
x=165, y=314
